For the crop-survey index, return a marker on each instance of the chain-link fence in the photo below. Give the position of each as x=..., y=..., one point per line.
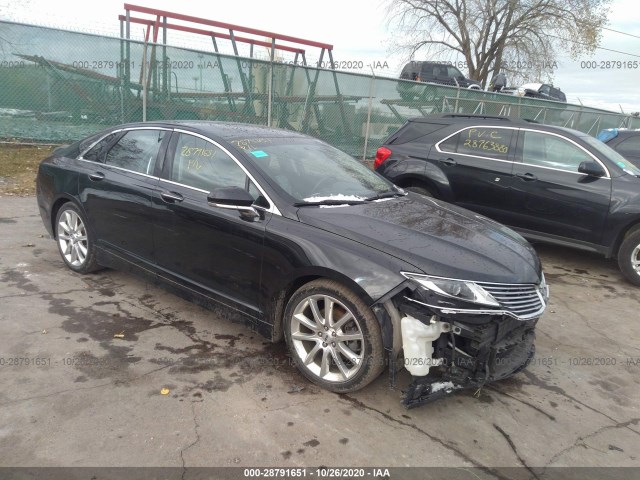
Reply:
x=59, y=86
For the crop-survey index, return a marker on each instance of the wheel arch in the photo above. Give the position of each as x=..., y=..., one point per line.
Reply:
x=630, y=227
x=276, y=308
x=413, y=180
x=57, y=205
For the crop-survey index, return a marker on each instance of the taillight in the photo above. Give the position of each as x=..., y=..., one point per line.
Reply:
x=381, y=155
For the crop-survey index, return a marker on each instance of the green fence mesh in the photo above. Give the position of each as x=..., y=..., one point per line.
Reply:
x=59, y=86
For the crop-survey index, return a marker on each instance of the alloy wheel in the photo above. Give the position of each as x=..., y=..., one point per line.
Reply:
x=635, y=259
x=72, y=238
x=327, y=338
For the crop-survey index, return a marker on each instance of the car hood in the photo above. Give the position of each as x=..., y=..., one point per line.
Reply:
x=435, y=237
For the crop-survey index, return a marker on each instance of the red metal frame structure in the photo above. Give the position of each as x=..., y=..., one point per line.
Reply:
x=160, y=21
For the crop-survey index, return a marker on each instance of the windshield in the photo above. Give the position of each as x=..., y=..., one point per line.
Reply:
x=311, y=171
x=612, y=155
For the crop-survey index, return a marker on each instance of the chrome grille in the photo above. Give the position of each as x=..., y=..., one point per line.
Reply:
x=524, y=301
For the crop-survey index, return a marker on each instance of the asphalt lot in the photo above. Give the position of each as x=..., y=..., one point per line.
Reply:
x=79, y=396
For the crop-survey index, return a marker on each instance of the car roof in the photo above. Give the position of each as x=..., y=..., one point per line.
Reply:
x=452, y=118
x=628, y=133
x=223, y=130
x=532, y=86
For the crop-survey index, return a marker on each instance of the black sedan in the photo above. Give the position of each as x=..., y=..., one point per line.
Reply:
x=302, y=242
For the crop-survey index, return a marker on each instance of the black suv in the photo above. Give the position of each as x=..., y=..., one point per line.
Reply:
x=625, y=142
x=549, y=183
x=432, y=72
x=542, y=91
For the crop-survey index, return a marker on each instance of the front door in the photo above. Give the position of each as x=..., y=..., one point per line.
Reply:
x=549, y=196
x=216, y=251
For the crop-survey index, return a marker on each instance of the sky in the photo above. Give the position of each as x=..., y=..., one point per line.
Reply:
x=360, y=34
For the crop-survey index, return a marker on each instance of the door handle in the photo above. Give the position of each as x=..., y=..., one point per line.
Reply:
x=96, y=176
x=527, y=177
x=171, y=197
x=449, y=162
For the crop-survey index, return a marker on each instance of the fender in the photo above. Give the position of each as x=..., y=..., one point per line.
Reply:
x=290, y=261
x=415, y=167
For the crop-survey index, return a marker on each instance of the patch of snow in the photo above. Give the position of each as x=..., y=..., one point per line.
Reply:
x=437, y=386
x=338, y=196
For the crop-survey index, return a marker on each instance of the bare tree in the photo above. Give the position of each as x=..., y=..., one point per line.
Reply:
x=520, y=37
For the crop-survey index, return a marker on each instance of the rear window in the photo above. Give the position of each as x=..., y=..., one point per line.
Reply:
x=410, y=70
x=413, y=132
x=491, y=142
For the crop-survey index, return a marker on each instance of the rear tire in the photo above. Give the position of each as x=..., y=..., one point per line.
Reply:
x=420, y=190
x=333, y=336
x=629, y=256
x=75, y=241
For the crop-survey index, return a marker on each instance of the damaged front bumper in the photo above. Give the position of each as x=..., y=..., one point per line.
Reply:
x=447, y=345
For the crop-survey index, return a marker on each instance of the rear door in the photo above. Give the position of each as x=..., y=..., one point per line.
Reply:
x=116, y=183
x=549, y=196
x=477, y=162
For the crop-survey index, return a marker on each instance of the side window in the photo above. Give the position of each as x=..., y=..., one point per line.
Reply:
x=200, y=164
x=546, y=150
x=481, y=142
x=97, y=152
x=630, y=146
x=451, y=144
x=137, y=151
x=453, y=72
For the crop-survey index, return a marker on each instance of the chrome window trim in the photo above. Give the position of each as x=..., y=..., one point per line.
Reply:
x=437, y=145
x=272, y=206
x=107, y=166
x=183, y=185
x=597, y=160
x=118, y=130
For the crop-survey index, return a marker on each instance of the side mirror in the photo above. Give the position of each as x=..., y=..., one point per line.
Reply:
x=234, y=198
x=230, y=197
x=593, y=169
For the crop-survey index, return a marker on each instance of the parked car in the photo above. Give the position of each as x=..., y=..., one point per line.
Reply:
x=301, y=241
x=548, y=183
x=431, y=72
x=625, y=142
x=543, y=91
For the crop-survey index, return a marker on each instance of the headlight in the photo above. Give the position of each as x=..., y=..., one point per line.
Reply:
x=460, y=289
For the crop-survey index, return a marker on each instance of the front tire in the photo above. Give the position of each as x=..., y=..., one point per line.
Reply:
x=629, y=256
x=333, y=337
x=75, y=242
